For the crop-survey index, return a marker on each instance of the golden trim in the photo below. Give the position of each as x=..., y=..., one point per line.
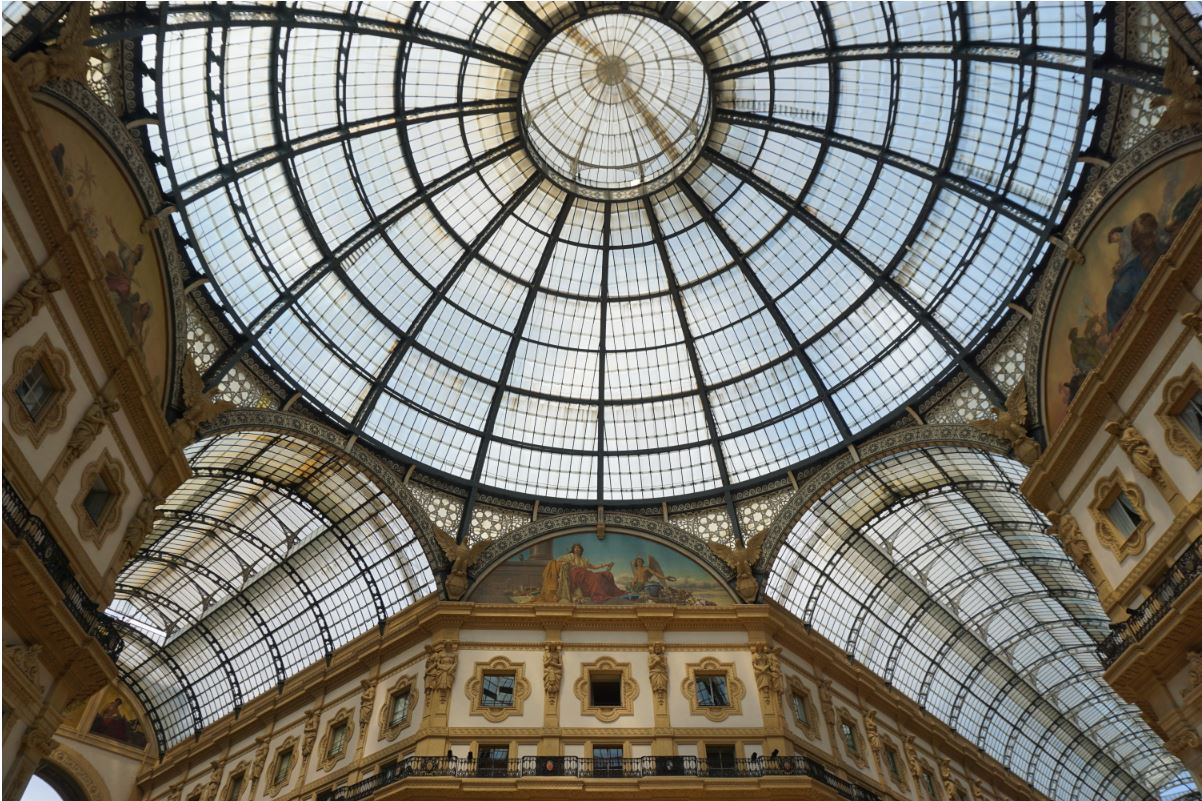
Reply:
x=734, y=689
x=899, y=778
x=859, y=755
x=1176, y=395
x=630, y=689
x=226, y=793
x=113, y=473
x=404, y=684
x=1106, y=491
x=56, y=365
x=797, y=688
x=276, y=783
x=326, y=760
x=498, y=665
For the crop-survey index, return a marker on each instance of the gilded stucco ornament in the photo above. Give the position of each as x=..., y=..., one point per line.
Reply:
x=1010, y=424
x=67, y=58
x=367, y=699
x=657, y=667
x=460, y=556
x=1183, y=103
x=441, y=660
x=214, y=782
x=1138, y=450
x=552, y=671
x=1065, y=528
x=139, y=528
x=25, y=658
x=256, y=767
x=27, y=302
x=312, y=718
x=740, y=559
x=200, y=405
x=85, y=432
x=765, y=662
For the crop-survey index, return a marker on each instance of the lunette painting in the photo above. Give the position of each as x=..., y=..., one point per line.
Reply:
x=620, y=569
x=1120, y=250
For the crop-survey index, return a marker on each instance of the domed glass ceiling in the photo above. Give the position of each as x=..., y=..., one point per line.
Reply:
x=617, y=253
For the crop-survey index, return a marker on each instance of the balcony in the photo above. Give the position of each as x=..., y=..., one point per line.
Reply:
x=1184, y=572
x=601, y=769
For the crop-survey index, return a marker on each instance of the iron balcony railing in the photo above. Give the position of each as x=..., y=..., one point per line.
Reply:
x=31, y=529
x=1184, y=572
x=602, y=768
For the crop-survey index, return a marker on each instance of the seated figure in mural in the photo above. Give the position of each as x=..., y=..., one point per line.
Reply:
x=111, y=722
x=573, y=578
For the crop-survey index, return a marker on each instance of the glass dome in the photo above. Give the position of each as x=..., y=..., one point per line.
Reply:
x=605, y=253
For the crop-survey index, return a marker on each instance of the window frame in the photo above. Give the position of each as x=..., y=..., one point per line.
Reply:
x=497, y=666
x=56, y=367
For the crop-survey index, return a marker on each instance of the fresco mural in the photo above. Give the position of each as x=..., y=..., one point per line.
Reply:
x=115, y=722
x=1120, y=250
x=621, y=569
x=108, y=212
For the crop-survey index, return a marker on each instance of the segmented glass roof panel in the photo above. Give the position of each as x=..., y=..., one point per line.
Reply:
x=929, y=568
x=274, y=553
x=754, y=241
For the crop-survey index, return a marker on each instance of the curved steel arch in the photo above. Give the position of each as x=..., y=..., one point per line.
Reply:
x=128, y=675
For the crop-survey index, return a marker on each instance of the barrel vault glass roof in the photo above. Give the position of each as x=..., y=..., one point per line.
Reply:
x=873, y=183
x=271, y=556
x=931, y=569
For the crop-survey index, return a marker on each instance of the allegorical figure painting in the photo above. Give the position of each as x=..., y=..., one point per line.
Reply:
x=107, y=211
x=1120, y=251
x=111, y=721
x=621, y=569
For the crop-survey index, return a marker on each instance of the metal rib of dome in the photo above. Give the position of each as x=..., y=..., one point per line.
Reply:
x=871, y=185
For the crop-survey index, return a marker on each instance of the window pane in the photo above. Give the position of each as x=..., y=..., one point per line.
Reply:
x=35, y=391
x=497, y=690
x=711, y=691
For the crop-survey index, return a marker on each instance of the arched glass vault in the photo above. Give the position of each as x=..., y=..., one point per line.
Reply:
x=276, y=552
x=847, y=213
x=931, y=569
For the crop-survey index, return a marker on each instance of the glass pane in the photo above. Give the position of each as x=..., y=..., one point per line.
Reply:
x=399, y=708
x=35, y=391
x=497, y=690
x=711, y=691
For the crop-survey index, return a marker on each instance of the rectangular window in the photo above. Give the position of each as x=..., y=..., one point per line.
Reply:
x=605, y=689
x=337, y=740
x=1191, y=415
x=848, y=731
x=497, y=690
x=607, y=760
x=800, y=711
x=35, y=391
x=283, y=766
x=398, y=708
x=235, y=788
x=97, y=500
x=1122, y=513
x=928, y=784
x=494, y=760
x=711, y=691
x=720, y=760
x=891, y=762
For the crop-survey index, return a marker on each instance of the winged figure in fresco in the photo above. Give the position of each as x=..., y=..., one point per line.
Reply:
x=1183, y=103
x=741, y=558
x=1010, y=424
x=460, y=556
x=200, y=406
x=647, y=572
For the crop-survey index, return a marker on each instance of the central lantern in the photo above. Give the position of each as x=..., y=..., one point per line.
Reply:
x=615, y=105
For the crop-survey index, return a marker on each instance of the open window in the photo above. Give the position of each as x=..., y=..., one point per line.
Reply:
x=606, y=689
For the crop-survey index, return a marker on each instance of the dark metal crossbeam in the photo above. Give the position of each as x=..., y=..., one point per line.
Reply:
x=690, y=344
x=121, y=26
x=515, y=341
x=986, y=197
x=155, y=653
x=530, y=18
x=1040, y=56
x=224, y=363
x=951, y=346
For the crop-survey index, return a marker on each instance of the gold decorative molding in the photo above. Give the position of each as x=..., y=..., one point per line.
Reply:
x=389, y=730
x=256, y=768
x=113, y=474
x=1010, y=424
x=1143, y=458
x=81, y=770
x=765, y=664
x=56, y=367
x=498, y=665
x=27, y=302
x=888, y=744
x=1065, y=528
x=735, y=691
x=442, y=660
x=552, y=672
x=740, y=559
x=89, y=427
x=1174, y=399
x=1106, y=492
x=807, y=724
x=367, y=699
x=342, y=719
x=460, y=556
x=280, y=775
x=610, y=666
x=657, y=668
x=234, y=792
x=858, y=754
